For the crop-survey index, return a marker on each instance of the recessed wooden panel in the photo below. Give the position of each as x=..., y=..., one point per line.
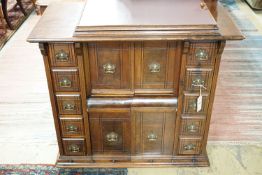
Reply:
x=202, y=54
x=189, y=146
x=110, y=132
x=192, y=127
x=72, y=127
x=153, y=130
x=196, y=77
x=62, y=55
x=65, y=80
x=190, y=104
x=69, y=104
x=156, y=65
x=74, y=147
x=110, y=65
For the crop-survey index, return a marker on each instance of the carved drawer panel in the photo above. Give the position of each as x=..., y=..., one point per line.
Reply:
x=190, y=105
x=189, y=145
x=69, y=104
x=65, y=79
x=110, y=65
x=74, y=147
x=72, y=127
x=202, y=53
x=153, y=130
x=192, y=126
x=156, y=65
x=196, y=77
x=110, y=132
x=62, y=55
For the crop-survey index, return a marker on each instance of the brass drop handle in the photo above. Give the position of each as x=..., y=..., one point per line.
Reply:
x=72, y=128
x=65, y=82
x=152, y=137
x=74, y=148
x=192, y=128
x=198, y=82
x=112, y=137
x=69, y=107
x=109, y=68
x=62, y=56
x=189, y=147
x=202, y=54
x=154, y=67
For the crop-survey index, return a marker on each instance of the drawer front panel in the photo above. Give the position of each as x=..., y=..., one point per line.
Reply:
x=202, y=54
x=198, y=77
x=69, y=104
x=62, y=55
x=153, y=130
x=189, y=146
x=110, y=132
x=110, y=65
x=65, y=80
x=72, y=127
x=155, y=65
x=190, y=104
x=193, y=127
x=74, y=147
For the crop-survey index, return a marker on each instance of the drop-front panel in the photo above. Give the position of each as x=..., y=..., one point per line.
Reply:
x=132, y=102
x=129, y=89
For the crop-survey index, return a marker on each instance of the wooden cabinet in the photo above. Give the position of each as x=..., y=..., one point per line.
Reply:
x=130, y=89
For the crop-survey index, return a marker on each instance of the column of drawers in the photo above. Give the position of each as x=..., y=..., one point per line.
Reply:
x=65, y=70
x=197, y=70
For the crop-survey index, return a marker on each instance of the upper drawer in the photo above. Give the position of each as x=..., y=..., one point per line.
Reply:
x=202, y=54
x=110, y=65
x=62, y=55
x=156, y=66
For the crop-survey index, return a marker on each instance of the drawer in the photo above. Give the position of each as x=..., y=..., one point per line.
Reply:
x=62, y=55
x=190, y=104
x=74, y=147
x=156, y=66
x=202, y=53
x=110, y=132
x=71, y=127
x=69, y=104
x=65, y=80
x=153, y=130
x=196, y=77
x=110, y=65
x=189, y=146
x=192, y=126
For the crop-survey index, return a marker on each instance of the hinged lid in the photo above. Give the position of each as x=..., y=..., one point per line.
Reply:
x=106, y=17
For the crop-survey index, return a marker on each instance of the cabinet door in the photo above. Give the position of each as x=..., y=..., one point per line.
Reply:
x=110, y=65
x=156, y=66
x=153, y=131
x=110, y=132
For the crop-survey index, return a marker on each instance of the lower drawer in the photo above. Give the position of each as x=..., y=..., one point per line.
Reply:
x=187, y=146
x=74, y=147
x=72, y=126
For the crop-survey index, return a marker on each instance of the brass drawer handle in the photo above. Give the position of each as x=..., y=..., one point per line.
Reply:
x=192, y=128
x=74, y=148
x=112, y=137
x=65, y=82
x=62, y=56
x=152, y=137
x=72, y=128
x=69, y=107
x=154, y=67
x=198, y=82
x=189, y=147
x=192, y=105
x=109, y=68
x=202, y=54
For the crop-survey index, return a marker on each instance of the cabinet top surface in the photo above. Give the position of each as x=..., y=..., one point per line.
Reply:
x=132, y=20
x=145, y=15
